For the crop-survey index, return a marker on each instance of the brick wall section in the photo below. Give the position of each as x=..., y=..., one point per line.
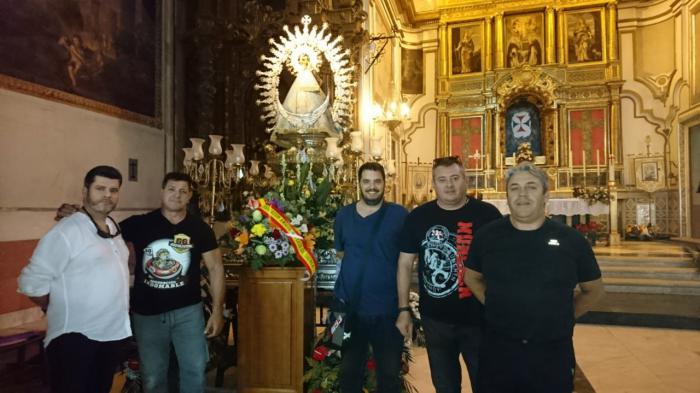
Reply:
x=14, y=255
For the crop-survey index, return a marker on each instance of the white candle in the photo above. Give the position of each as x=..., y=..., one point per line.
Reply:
x=597, y=162
x=571, y=159
x=488, y=163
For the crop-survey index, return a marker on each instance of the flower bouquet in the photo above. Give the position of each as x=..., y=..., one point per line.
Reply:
x=589, y=231
x=268, y=233
x=593, y=195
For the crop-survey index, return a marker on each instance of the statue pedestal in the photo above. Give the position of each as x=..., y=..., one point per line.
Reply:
x=276, y=321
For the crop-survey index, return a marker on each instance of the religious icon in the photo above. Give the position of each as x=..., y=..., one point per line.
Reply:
x=466, y=44
x=523, y=126
x=411, y=71
x=465, y=139
x=584, y=37
x=524, y=37
x=649, y=171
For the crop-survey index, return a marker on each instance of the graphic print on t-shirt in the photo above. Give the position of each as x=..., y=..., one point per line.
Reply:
x=166, y=262
x=439, y=253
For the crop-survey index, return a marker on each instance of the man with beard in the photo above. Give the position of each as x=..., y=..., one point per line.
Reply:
x=366, y=235
x=439, y=233
x=524, y=268
x=169, y=245
x=79, y=275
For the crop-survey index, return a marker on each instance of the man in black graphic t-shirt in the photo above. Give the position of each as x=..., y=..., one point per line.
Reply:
x=524, y=268
x=169, y=246
x=440, y=234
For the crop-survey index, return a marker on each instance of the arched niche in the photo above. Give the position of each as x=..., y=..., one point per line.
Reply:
x=526, y=111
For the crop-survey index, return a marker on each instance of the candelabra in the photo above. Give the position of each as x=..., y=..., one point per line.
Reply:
x=214, y=176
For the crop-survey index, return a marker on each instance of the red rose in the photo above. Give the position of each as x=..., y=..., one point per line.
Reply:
x=371, y=365
x=320, y=353
x=276, y=234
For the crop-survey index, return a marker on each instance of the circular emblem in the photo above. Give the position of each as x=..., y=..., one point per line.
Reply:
x=439, y=256
x=521, y=124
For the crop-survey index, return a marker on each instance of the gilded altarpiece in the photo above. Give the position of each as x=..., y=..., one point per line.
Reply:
x=550, y=77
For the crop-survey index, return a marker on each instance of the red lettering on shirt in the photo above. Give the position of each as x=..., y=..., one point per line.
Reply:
x=464, y=240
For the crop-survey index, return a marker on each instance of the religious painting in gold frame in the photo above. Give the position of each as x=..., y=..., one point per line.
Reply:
x=524, y=39
x=587, y=136
x=585, y=36
x=649, y=173
x=466, y=139
x=466, y=43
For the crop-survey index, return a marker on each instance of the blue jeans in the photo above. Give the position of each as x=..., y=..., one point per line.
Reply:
x=445, y=342
x=184, y=329
x=387, y=345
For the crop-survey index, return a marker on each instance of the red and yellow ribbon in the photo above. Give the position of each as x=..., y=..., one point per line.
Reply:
x=281, y=222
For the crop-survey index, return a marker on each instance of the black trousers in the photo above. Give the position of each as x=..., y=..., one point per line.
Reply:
x=520, y=366
x=80, y=365
x=387, y=346
x=445, y=342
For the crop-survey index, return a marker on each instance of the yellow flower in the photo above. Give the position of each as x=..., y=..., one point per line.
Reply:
x=290, y=182
x=258, y=230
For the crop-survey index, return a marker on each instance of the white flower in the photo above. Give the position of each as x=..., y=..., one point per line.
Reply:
x=296, y=221
x=303, y=228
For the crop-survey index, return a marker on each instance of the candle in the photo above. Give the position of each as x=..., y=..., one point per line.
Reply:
x=513, y=158
x=597, y=162
x=488, y=163
x=571, y=159
x=583, y=159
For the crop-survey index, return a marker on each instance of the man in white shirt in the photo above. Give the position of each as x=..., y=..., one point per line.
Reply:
x=79, y=274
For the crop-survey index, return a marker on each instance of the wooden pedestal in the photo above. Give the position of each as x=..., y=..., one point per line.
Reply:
x=275, y=323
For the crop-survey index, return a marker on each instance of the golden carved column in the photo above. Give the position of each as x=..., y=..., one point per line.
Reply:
x=444, y=50
x=489, y=44
x=561, y=39
x=499, y=40
x=612, y=31
x=442, y=146
x=489, y=137
x=550, y=52
x=615, y=120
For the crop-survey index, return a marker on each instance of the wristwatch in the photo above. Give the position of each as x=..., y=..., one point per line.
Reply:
x=402, y=309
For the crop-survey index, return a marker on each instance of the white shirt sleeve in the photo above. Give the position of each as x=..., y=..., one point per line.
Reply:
x=48, y=262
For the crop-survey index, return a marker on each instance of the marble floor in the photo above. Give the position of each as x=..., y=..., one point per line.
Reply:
x=618, y=359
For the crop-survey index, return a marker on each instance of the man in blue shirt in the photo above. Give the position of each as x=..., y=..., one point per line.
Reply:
x=366, y=233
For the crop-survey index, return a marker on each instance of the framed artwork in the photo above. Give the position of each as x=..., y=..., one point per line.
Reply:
x=584, y=36
x=103, y=56
x=524, y=39
x=523, y=125
x=411, y=71
x=587, y=129
x=466, y=139
x=466, y=43
x=649, y=173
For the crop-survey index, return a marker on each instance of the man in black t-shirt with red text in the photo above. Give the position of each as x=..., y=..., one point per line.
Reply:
x=440, y=234
x=524, y=268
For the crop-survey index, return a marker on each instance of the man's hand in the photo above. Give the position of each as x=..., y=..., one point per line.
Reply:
x=66, y=210
x=405, y=324
x=215, y=323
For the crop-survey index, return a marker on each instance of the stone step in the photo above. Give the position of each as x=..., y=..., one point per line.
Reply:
x=645, y=261
x=660, y=272
x=652, y=285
